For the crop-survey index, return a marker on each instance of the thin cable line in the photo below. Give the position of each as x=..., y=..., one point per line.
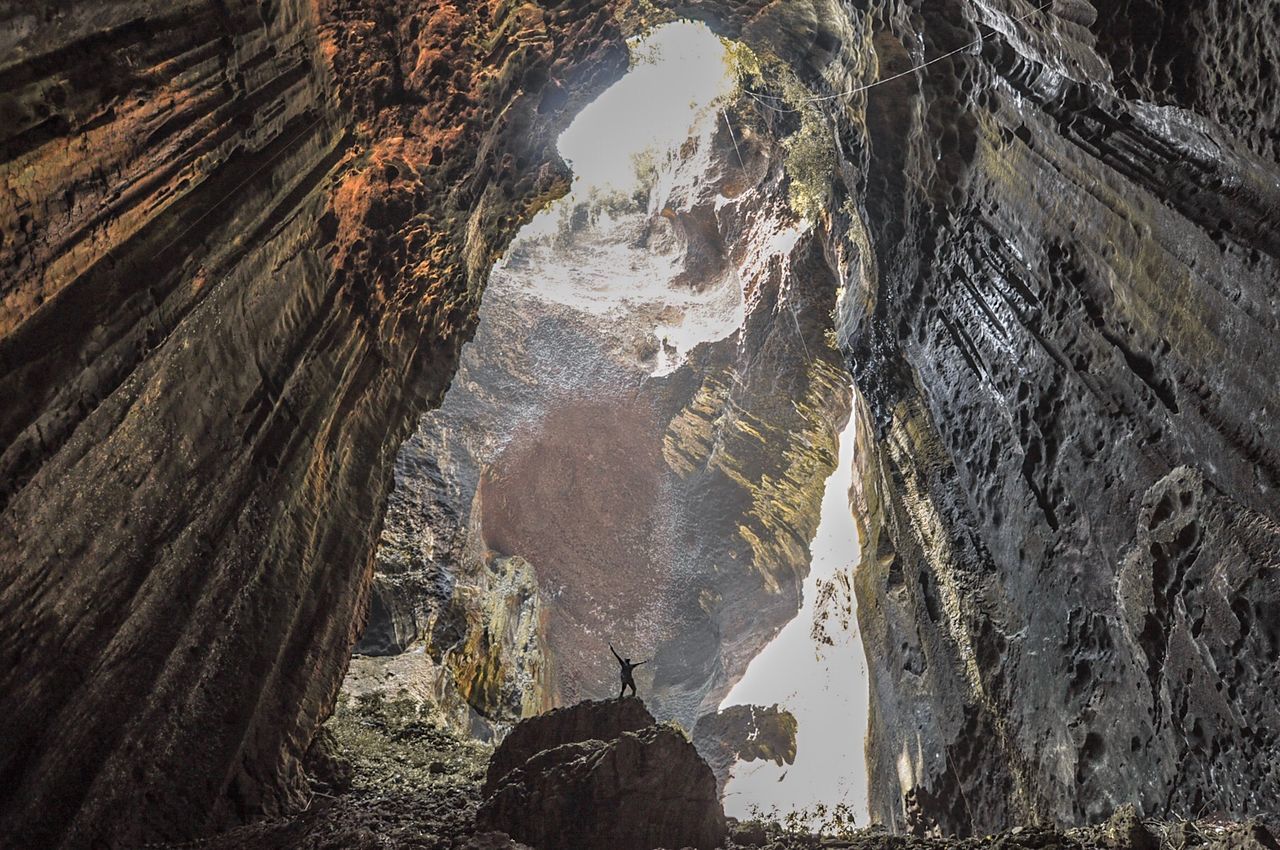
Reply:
x=725, y=116
x=857, y=89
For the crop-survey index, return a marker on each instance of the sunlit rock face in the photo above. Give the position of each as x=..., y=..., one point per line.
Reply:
x=243, y=243
x=646, y=418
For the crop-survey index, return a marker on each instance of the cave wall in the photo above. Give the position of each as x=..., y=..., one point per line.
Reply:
x=1067, y=353
x=244, y=241
x=660, y=502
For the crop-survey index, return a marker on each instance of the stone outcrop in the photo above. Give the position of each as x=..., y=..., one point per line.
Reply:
x=588, y=781
x=585, y=721
x=243, y=243
x=745, y=733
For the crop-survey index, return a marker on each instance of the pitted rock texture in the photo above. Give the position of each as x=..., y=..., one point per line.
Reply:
x=243, y=243
x=1073, y=297
x=587, y=781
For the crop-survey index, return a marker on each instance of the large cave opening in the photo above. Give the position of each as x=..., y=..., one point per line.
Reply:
x=648, y=444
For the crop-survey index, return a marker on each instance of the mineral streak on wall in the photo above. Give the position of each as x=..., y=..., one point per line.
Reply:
x=242, y=244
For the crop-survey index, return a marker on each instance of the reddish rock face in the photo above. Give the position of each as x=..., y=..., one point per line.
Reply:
x=551, y=508
x=242, y=244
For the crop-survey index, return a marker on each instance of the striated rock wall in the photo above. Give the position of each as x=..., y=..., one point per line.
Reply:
x=1071, y=323
x=242, y=245
x=244, y=241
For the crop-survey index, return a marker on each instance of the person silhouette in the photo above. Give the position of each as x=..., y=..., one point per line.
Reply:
x=626, y=667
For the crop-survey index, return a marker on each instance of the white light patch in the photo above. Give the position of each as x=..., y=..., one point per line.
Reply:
x=681, y=69
x=665, y=106
x=824, y=687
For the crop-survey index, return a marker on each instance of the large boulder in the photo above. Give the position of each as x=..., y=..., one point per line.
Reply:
x=628, y=790
x=602, y=720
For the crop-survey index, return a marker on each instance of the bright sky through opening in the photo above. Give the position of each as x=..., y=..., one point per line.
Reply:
x=680, y=70
x=666, y=98
x=824, y=687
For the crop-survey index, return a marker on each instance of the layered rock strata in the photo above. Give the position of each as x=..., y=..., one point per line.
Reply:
x=244, y=241
x=243, y=244
x=1066, y=356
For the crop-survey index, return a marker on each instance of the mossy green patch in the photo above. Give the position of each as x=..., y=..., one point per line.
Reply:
x=398, y=744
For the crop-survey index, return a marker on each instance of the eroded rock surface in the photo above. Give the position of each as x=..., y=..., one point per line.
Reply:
x=585, y=721
x=1078, y=300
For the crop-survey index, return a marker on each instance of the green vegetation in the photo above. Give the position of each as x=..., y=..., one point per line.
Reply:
x=645, y=166
x=804, y=828
x=810, y=162
x=675, y=726
x=401, y=745
x=810, y=150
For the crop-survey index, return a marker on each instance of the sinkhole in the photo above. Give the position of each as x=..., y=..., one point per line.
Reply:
x=647, y=446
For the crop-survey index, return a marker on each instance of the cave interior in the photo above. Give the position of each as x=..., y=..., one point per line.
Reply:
x=1022, y=256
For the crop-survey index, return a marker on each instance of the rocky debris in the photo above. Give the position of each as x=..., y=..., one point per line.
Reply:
x=328, y=771
x=1122, y=832
x=399, y=798
x=602, y=720
x=745, y=733
x=596, y=785
x=1125, y=829
x=407, y=780
x=492, y=841
x=417, y=675
x=750, y=833
x=399, y=744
